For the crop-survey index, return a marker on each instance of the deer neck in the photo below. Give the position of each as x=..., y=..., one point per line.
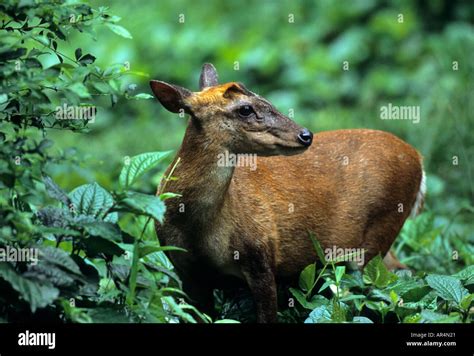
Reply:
x=201, y=180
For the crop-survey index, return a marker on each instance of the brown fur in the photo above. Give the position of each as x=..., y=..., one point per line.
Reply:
x=346, y=189
x=243, y=210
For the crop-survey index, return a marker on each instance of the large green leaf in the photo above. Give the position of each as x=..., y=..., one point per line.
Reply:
x=91, y=199
x=143, y=204
x=138, y=165
x=60, y=258
x=37, y=294
x=103, y=229
x=44, y=270
x=447, y=287
x=377, y=274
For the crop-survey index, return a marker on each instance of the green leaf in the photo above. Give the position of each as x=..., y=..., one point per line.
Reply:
x=46, y=271
x=377, y=274
x=415, y=294
x=147, y=247
x=91, y=199
x=467, y=301
x=3, y=98
x=338, y=314
x=38, y=295
x=320, y=314
x=353, y=297
x=316, y=300
x=327, y=283
x=394, y=297
x=405, y=286
x=80, y=89
x=103, y=229
x=9, y=54
x=318, y=248
x=102, y=87
x=447, y=287
x=143, y=204
x=138, y=165
x=227, y=321
x=115, y=315
x=78, y=53
x=340, y=270
x=466, y=275
x=96, y=246
x=362, y=320
x=55, y=192
x=412, y=319
x=87, y=59
x=111, y=217
x=380, y=294
x=307, y=277
x=60, y=258
x=433, y=317
x=168, y=272
x=169, y=195
x=178, y=310
x=119, y=30
x=379, y=306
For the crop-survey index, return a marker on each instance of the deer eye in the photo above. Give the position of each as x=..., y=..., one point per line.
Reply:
x=245, y=111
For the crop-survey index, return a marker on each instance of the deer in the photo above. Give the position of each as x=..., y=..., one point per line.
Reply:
x=352, y=188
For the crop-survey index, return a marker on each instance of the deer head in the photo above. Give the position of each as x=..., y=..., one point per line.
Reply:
x=239, y=120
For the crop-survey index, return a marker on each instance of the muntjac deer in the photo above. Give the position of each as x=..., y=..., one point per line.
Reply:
x=351, y=188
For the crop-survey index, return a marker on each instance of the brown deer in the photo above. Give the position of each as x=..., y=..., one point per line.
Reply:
x=351, y=188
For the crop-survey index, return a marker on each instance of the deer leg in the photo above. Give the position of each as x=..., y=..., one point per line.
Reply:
x=380, y=236
x=261, y=280
x=201, y=294
x=392, y=263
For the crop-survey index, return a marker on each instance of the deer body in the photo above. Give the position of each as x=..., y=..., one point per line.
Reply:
x=351, y=188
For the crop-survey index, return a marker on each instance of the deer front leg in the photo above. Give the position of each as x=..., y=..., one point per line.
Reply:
x=201, y=294
x=196, y=282
x=261, y=280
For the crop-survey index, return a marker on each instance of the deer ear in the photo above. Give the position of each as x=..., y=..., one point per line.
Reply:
x=236, y=88
x=170, y=96
x=209, y=77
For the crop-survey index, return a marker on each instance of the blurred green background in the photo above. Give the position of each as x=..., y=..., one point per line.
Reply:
x=293, y=53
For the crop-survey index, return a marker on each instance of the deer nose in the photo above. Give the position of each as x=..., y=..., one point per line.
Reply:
x=305, y=137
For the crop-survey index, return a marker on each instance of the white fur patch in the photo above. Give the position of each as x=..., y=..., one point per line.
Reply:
x=420, y=197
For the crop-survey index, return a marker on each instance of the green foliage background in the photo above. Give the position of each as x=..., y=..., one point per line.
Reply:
x=424, y=60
